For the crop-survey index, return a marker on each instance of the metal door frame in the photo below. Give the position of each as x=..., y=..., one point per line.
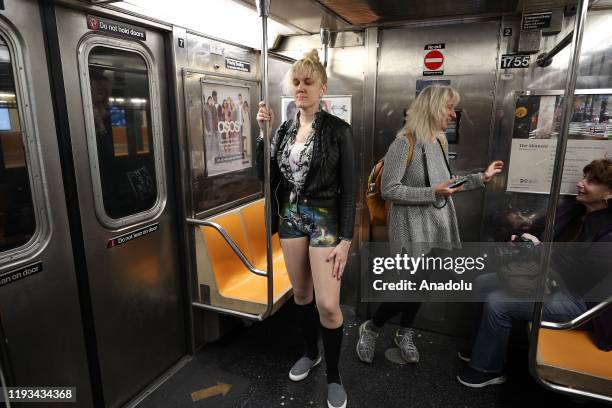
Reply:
x=87, y=44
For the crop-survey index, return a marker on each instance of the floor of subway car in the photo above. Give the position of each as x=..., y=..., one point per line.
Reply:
x=255, y=360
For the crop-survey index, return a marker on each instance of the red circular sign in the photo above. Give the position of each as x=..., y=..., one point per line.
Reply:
x=433, y=60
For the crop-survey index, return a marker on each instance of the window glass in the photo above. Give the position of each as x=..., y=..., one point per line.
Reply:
x=17, y=220
x=122, y=116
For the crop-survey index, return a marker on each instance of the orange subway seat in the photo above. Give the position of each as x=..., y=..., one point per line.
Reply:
x=228, y=269
x=233, y=279
x=254, y=222
x=570, y=358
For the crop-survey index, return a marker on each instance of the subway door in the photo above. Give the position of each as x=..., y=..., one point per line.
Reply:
x=117, y=107
x=41, y=334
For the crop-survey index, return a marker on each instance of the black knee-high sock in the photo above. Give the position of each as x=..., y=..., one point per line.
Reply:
x=308, y=319
x=332, y=342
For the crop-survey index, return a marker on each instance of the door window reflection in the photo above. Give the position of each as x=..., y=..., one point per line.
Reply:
x=122, y=116
x=17, y=220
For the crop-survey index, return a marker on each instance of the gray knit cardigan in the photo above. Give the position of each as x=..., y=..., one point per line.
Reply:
x=415, y=225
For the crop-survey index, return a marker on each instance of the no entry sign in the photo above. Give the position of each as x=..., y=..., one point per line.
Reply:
x=433, y=61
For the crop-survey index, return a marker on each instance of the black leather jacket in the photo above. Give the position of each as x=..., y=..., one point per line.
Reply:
x=331, y=179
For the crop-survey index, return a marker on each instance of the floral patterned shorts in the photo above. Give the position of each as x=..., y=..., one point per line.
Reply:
x=319, y=224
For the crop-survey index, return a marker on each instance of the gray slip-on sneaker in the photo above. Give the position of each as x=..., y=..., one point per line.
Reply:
x=336, y=396
x=302, y=367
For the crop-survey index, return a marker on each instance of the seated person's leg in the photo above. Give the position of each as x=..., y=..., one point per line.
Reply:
x=562, y=308
x=489, y=352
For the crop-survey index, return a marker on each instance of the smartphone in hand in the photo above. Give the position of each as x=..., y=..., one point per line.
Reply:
x=459, y=181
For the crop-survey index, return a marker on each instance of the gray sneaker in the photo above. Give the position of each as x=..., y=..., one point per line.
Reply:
x=366, y=344
x=336, y=396
x=403, y=340
x=302, y=367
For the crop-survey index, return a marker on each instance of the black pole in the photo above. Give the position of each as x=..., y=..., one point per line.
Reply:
x=545, y=59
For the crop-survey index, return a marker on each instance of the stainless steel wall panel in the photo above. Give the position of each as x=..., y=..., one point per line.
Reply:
x=595, y=72
x=40, y=314
x=209, y=55
x=470, y=63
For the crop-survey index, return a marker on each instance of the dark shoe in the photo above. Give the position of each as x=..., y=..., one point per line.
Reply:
x=478, y=379
x=336, y=396
x=465, y=355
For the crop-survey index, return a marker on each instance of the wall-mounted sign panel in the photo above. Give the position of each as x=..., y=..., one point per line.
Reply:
x=510, y=61
x=227, y=128
x=536, y=128
x=433, y=60
x=337, y=105
x=536, y=21
x=105, y=25
x=237, y=65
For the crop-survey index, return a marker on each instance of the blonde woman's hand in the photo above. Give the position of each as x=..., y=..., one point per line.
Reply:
x=443, y=189
x=264, y=115
x=494, y=168
x=339, y=257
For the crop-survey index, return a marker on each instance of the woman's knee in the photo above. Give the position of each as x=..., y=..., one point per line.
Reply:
x=329, y=310
x=302, y=297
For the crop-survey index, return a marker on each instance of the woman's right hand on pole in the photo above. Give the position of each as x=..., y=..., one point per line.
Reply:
x=443, y=189
x=264, y=114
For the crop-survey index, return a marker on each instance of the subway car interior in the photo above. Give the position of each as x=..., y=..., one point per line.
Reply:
x=138, y=265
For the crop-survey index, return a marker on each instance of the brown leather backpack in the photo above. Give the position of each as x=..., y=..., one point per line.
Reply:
x=378, y=207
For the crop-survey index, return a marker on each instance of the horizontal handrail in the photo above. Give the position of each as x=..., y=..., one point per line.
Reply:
x=580, y=320
x=231, y=312
x=230, y=242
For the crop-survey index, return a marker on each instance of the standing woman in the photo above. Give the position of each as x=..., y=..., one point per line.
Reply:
x=422, y=218
x=312, y=177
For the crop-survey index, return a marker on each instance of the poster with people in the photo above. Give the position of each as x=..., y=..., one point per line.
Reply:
x=227, y=128
x=337, y=105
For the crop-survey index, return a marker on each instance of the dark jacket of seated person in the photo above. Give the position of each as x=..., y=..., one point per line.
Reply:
x=582, y=262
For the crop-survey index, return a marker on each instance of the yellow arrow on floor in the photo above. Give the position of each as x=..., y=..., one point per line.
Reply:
x=220, y=388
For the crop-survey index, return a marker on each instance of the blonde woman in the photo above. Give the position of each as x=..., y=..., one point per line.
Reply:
x=313, y=207
x=422, y=218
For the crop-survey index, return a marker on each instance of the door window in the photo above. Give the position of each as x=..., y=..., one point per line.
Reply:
x=17, y=216
x=122, y=111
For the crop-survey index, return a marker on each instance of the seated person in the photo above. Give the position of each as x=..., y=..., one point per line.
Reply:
x=587, y=220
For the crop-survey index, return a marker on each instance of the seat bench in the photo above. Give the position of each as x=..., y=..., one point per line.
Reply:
x=570, y=358
x=223, y=279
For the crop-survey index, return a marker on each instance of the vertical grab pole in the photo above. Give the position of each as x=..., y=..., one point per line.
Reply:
x=263, y=8
x=570, y=87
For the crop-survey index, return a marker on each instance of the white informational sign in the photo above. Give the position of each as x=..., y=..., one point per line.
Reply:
x=532, y=162
x=433, y=59
x=227, y=128
x=337, y=105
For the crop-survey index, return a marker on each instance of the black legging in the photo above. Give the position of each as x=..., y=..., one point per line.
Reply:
x=387, y=310
x=408, y=310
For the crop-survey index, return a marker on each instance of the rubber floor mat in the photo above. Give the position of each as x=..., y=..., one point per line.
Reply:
x=198, y=385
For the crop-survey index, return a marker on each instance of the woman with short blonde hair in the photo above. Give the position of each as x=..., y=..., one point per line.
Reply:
x=312, y=175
